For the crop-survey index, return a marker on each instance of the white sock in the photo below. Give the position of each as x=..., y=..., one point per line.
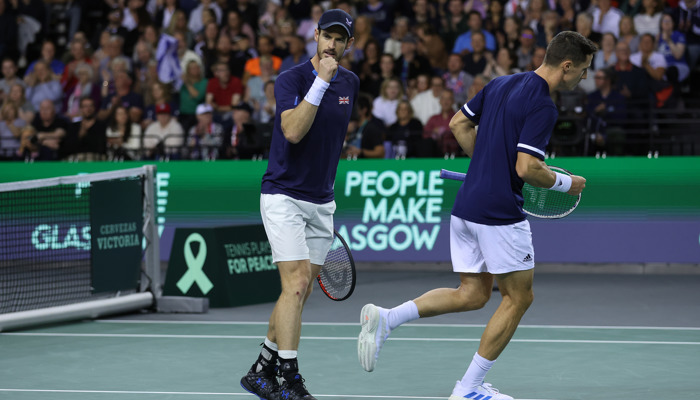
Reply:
x=399, y=315
x=270, y=344
x=476, y=372
x=268, y=354
x=287, y=354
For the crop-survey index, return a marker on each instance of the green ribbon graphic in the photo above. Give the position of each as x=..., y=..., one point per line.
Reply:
x=195, y=266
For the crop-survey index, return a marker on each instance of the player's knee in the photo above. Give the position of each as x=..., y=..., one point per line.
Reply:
x=298, y=286
x=521, y=301
x=480, y=301
x=470, y=299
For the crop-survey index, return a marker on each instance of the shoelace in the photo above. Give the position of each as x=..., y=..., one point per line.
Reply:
x=298, y=382
x=490, y=388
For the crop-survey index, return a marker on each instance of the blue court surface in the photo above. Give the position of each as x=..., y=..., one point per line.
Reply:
x=621, y=336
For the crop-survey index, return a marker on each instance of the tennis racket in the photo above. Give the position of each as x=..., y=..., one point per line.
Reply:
x=337, y=277
x=539, y=202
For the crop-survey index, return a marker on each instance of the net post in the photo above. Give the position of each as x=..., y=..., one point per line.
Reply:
x=150, y=233
x=51, y=289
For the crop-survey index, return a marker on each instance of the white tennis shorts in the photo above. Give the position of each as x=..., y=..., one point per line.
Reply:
x=496, y=249
x=296, y=229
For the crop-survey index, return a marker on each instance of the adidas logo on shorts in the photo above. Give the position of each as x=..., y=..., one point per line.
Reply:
x=527, y=258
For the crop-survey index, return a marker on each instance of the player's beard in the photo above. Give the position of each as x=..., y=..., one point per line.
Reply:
x=322, y=53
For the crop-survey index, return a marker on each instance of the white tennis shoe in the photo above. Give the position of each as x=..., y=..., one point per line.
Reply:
x=482, y=392
x=375, y=331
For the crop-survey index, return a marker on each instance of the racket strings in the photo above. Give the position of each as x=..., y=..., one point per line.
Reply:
x=545, y=202
x=336, y=275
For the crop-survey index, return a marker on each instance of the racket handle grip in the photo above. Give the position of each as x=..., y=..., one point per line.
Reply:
x=457, y=176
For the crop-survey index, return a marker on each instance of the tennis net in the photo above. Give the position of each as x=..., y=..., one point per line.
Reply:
x=77, y=247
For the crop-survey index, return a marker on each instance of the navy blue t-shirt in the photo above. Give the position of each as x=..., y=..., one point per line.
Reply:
x=306, y=170
x=514, y=113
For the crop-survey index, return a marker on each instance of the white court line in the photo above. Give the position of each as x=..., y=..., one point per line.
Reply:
x=339, y=338
x=358, y=396
x=662, y=328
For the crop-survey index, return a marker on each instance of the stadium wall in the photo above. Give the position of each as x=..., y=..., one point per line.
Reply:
x=634, y=210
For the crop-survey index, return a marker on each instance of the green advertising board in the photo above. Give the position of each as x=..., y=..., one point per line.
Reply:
x=232, y=266
x=632, y=210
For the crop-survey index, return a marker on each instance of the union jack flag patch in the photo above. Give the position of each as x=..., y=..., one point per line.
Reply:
x=344, y=100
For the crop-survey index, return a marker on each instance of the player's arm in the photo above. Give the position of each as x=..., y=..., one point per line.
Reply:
x=464, y=130
x=297, y=121
x=535, y=172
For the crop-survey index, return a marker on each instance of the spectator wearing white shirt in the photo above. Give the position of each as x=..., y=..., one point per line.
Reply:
x=427, y=103
x=606, y=18
x=165, y=131
x=653, y=62
x=392, y=45
x=123, y=136
x=384, y=106
x=649, y=19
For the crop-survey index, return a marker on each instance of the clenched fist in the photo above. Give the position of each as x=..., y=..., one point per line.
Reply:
x=327, y=68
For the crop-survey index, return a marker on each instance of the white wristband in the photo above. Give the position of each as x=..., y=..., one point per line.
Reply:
x=315, y=93
x=562, y=183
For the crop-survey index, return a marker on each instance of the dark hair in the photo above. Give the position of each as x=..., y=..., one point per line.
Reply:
x=113, y=121
x=474, y=12
x=609, y=74
x=86, y=98
x=512, y=55
x=224, y=63
x=266, y=37
x=387, y=55
x=658, y=7
x=48, y=41
x=373, y=41
x=479, y=33
x=364, y=102
x=651, y=36
x=428, y=29
x=673, y=22
x=569, y=45
x=234, y=11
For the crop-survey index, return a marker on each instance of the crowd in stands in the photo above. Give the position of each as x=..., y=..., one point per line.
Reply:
x=194, y=79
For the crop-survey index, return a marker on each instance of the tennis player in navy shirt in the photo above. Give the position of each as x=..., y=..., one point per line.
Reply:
x=489, y=235
x=314, y=104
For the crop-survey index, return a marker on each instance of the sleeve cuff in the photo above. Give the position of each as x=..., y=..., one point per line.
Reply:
x=533, y=151
x=469, y=114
